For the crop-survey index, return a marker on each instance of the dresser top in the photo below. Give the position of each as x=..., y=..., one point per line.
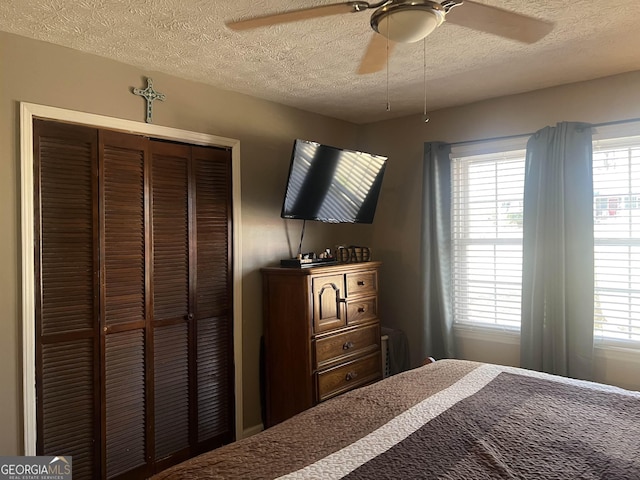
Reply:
x=338, y=268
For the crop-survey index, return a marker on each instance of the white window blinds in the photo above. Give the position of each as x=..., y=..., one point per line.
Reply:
x=487, y=207
x=616, y=210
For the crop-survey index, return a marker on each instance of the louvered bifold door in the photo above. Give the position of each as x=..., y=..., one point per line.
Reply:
x=214, y=314
x=125, y=300
x=66, y=264
x=172, y=313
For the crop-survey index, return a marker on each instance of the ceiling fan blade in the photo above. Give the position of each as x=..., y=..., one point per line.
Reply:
x=498, y=21
x=297, y=15
x=375, y=58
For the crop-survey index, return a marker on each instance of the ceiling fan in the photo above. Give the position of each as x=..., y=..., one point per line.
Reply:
x=407, y=21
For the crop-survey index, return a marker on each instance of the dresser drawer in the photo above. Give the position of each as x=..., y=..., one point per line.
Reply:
x=362, y=310
x=348, y=376
x=362, y=283
x=344, y=346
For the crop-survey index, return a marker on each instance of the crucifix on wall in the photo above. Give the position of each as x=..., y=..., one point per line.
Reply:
x=149, y=94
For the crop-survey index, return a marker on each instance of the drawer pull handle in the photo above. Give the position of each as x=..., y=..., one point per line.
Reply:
x=347, y=346
x=361, y=283
x=350, y=376
x=362, y=309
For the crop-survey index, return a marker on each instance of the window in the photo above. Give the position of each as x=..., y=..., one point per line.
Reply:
x=487, y=208
x=487, y=214
x=616, y=210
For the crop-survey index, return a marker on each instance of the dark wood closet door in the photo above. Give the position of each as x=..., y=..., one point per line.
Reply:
x=192, y=319
x=125, y=303
x=66, y=263
x=134, y=309
x=172, y=300
x=214, y=292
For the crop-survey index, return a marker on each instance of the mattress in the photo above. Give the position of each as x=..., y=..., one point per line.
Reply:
x=451, y=419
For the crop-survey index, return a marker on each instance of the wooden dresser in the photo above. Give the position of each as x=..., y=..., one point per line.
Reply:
x=321, y=332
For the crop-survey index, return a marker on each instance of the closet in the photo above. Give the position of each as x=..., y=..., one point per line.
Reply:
x=134, y=347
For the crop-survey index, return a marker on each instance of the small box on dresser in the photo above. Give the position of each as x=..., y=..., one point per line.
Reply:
x=321, y=333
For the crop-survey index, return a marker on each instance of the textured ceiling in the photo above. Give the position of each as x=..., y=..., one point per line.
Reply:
x=311, y=64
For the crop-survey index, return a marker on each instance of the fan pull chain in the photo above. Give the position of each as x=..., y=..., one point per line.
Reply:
x=424, y=44
x=387, y=67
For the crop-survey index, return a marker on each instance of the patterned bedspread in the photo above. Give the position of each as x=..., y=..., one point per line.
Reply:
x=452, y=419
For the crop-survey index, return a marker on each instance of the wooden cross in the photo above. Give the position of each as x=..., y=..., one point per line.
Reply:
x=149, y=95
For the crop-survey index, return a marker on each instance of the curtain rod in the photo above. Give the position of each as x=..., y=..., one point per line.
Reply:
x=492, y=139
x=507, y=137
x=615, y=122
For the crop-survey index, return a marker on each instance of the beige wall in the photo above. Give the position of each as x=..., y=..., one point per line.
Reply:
x=41, y=73
x=397, y=228
x=614, y=366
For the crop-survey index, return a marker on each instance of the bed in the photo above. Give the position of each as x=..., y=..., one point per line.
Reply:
x=451, y=419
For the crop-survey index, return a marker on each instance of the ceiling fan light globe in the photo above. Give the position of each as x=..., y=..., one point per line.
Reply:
x=408, y=22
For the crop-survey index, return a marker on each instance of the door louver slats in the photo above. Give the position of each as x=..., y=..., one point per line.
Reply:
x=69, y=403
x=212, y=220
x=171, y=387
x=170, y=234
x=214, y=397
x=125, y=401
x=67, y=235
x=123, y=235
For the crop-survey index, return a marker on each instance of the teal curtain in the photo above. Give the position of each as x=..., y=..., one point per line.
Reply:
x=557, y=283
x=437, y=319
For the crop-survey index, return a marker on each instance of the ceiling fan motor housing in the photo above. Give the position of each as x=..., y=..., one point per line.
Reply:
x=408, y=21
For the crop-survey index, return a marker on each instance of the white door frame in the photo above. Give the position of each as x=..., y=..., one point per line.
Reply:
x=27, y=113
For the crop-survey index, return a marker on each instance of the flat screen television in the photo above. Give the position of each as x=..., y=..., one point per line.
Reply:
x=331, y=184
